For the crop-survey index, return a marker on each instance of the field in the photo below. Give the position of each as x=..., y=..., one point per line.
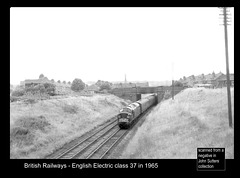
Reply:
x=37, y=129
x=198, y=117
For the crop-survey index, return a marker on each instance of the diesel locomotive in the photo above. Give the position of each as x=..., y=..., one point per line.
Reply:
x=130, y=113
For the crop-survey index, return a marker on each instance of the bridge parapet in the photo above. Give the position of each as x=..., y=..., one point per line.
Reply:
x=133, y=93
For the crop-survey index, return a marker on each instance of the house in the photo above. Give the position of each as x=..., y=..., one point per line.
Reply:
x=212, y=79
x=200, y=79
x=188, y=81
x=222, y=80
x=92, y=88
x=33, y=82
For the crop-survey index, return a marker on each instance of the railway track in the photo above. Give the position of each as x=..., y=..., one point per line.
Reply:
x=95, y=144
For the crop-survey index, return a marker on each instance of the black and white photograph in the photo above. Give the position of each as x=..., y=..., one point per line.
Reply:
x=121, y=82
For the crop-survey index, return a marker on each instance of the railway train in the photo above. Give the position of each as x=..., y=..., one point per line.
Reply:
x=130, y=113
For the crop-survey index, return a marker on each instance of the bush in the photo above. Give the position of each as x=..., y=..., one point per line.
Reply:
x=50, y=88
x=33, y=123
x=178, y=84
x=23, y=131
x=21, y=136
x=35, y=89
x=105, y=86
x=45, y=88
x=77, y=85
x=32, y=98
x=167, y=95
x=18, y=92
x=41, y=76
x=14, y=98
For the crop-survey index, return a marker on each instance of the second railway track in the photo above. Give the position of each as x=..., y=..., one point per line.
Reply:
x=95, y=144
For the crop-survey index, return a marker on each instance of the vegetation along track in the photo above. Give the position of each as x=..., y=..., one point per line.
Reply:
x=91, y=144
x=95, y=144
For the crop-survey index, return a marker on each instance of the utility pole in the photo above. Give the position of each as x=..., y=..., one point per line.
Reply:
x=227, y=65
x=172, y=83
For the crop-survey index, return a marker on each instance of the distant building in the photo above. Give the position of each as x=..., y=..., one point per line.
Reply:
x=143, y=84
x=33, y=82
x=22, y=84
x=187, y=81
x=92, y=88
x=216, y=80
x=204, y=85
x=130, y=85
x=222, y=80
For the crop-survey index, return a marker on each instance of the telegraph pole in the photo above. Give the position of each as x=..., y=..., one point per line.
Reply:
x=172, y=83
x=227, y=65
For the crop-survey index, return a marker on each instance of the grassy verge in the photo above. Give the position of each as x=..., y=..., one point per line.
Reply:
x=39, y=128
x=176, y=128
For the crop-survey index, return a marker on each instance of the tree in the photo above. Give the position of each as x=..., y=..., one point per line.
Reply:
x=213, y=74
x=99, y=83
x=105, y=86
x=178, y=84
x=64, y=82
x=69, y=83
x=45, y=78
x=43, y=88
x=41, y=76
x=77, y=85
x=52, y=80
x=18, y=92
x=50, y=88
x=59, y=81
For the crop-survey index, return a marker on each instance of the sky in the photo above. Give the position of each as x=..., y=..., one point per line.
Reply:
x=146, y=44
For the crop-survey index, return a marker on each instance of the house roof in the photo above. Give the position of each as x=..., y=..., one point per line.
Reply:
x=41, y=80
x=224, y=77
x=218, y=75
x=32, y=81
x=205, y=77
x=209, y=77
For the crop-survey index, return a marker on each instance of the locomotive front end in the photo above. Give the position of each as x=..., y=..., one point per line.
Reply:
x=124, y=117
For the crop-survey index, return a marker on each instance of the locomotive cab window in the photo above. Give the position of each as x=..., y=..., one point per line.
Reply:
x=126, y=110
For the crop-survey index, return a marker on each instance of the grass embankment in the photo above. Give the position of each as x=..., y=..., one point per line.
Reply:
x=38, y=129
x=197, y=117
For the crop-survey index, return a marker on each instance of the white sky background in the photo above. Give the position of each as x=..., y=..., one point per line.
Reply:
x=105, y=43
